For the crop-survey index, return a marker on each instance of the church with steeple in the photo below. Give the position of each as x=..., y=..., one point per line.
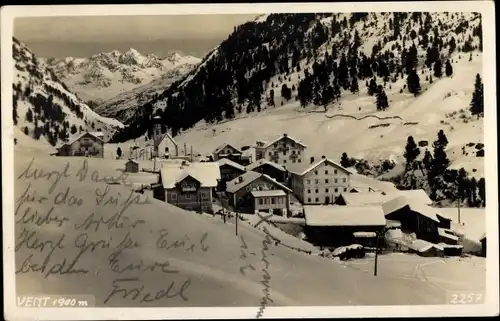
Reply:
x=164, y=144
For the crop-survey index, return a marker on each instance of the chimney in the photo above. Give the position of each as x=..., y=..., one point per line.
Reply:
x=285, y=135
x=240, y=179
x=312, y=160
x=323, y=157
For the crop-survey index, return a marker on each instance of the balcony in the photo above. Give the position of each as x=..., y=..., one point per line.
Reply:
x=274, y=157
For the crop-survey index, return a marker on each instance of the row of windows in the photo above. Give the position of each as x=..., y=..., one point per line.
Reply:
x=326, y=190
x=204, y=195
x=335, y=180
x=284, y=153
x=273, y=200
x=326, y=172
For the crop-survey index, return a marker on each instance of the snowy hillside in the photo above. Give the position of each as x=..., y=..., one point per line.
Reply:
x=102, y=77
x=124, y=105
x=323, y=74
x=44, y=108
x=201, y=252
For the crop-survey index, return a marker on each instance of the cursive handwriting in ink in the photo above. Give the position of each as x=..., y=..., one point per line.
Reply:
x=185, y=244
x=72, y=200
x=30, y=217
x=35, y=174
x=82, y=174
x=266, y=277
x=136, y=293
x=104, y=199
x=243, y=256
x=30, y=241
x=114, y=265
x=29, y=196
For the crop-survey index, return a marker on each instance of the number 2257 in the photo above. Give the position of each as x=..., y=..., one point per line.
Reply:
x=466, y=298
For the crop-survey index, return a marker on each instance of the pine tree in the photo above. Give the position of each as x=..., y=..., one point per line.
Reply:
x=354, y=85
x=438, y=68
x=286, y=92
x=270, y=100
x=411, y=152
x=344, y=160
x=413, y=82
x=481, y=190
x=29, y=115
x=449, y=69
x=473, y=201
x=381, y=100
x=427, y=160
x=119, y=152
x=441, y=161
x=372, y=87
x=477, y=102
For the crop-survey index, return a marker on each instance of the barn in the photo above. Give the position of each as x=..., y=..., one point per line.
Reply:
x=333, y=226
x=132, y=166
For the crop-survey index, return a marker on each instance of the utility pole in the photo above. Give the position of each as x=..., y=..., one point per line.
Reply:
x=376, y=255
x=191, y=153
x=185, y=151
x=237, y=223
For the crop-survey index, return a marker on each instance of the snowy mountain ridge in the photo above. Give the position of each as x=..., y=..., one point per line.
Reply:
x=44, y=108
x=105, y=75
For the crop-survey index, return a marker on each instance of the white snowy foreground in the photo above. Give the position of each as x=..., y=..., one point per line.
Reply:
x=165, y=256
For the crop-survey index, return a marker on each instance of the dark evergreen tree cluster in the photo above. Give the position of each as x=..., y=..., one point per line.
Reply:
x=235, y=77
x=477, y=102
x=381, y=102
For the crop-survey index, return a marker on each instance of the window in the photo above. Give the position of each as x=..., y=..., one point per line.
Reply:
x=173, y=196
x=317, y=199
x=336, y=180
x=188, y=196
x=298, y=152
x=316, y=181
x=270, y=153
x=293, y=152
x=336, y=190
x=345, y=189
x=335, y=172
x=293, y=161
x=284, y=161
x=308, y=181
x=292, y=144
x=326, y=181
x=326, y=172
x=204, y=207
x=166, y=149
x=204, y=195
x=326, y=190
x=261, y=201
x=309, y=200
x=273, y=200
x=344, y=180
x=317, y=191
x=309, y=191
x=315, y=172
x=300, y=161
x=284, y=152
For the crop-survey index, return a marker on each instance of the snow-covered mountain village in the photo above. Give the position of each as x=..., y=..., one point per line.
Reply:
x=353, y=143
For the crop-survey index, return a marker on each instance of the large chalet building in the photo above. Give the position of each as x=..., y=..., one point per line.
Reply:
x=319, y=182
x=284, y=150
x=87, y=144
x=227, y=151
x=187, y=185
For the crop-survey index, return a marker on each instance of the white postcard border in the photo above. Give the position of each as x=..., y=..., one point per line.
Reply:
x=491, y=307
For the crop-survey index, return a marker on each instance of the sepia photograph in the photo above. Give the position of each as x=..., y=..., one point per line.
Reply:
x=265, y=160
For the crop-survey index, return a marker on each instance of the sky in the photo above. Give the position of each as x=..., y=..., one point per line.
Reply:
x=83, y=36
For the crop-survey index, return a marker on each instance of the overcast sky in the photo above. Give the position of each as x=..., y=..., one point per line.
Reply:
x=84, y=36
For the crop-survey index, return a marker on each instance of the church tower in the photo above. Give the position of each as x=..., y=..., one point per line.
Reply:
x=157, y=135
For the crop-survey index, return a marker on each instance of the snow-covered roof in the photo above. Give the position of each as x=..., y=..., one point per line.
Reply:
x=268, y=193
x=392, y=223
x=364, y=198
x=377, y=185
x=248, y=177
x=221, y=147
x=228, y=162
x=79, y=137
x=207, y=173
x=399, y=202
x=97, y=134
x=444, y=233
x=423, y=246
x=364, y=234
x=417, y=196
x=169, y=137
x=284, y=136
x=332, y=215
x=482, y=237
x=130, y=160
x=304, y=168
x=263, y=161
